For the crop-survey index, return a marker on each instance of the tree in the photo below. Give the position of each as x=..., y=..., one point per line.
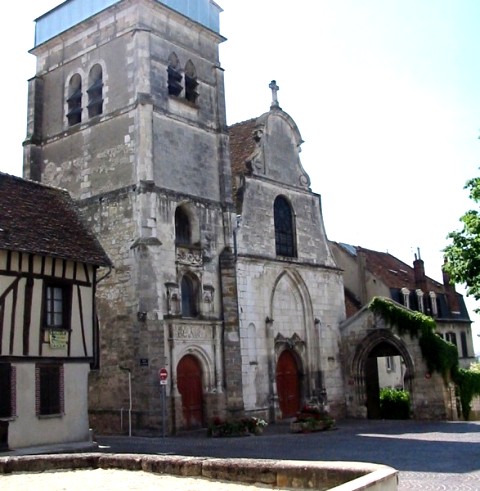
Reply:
x=463, y=254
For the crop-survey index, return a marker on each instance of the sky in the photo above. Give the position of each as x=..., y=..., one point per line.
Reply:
x=385, y=93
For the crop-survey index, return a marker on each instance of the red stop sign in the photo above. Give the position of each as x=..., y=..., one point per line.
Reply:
x=162, y=374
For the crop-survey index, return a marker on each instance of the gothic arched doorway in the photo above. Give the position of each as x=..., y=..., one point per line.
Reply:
x=384, y=366
x=190, y=386
x=288, y=384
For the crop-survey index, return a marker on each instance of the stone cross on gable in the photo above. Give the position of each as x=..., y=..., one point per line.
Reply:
x=275, y=88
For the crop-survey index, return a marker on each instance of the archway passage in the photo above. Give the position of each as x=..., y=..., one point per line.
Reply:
x=288, y=384
x=384, y=367
x=189, y=382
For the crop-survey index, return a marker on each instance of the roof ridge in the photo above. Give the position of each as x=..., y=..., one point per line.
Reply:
x=35, y=183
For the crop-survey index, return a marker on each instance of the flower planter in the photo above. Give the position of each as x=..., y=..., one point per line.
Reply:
x=310, y=426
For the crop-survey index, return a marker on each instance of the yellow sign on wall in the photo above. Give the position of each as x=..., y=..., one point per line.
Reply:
x=58, y=339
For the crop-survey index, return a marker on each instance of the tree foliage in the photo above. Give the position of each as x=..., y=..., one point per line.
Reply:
x=463, y=254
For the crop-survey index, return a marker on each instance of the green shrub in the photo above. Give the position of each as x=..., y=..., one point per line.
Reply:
x=394, y=404
x=236, y=427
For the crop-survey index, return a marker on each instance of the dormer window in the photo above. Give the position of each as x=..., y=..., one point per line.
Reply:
x=406, y=297
x=433, y=303
x=451, y=337
x=421, y=307
x=74, y=100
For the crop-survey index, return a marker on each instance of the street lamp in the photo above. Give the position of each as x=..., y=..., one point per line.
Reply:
x=129, y=398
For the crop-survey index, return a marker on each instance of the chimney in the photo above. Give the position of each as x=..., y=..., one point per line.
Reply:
x=450, y=292
x=419, y=273
x=362, y=275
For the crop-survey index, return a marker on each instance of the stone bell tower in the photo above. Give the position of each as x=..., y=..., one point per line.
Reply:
x=126, y=111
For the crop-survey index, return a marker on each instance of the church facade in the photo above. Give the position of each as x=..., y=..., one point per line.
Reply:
x=222, y=273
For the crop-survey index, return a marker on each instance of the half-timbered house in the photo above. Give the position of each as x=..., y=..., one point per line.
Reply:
x=48, y=272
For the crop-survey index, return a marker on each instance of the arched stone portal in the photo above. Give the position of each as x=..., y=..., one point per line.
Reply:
x=190, y=387
x=380, y=343
x=288, y=384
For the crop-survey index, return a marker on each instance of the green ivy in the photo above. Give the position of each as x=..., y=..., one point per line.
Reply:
x=468, y=383
x=439, y=355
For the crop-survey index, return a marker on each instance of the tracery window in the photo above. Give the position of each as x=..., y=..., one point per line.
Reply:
x=284, y=228
x=189, y=293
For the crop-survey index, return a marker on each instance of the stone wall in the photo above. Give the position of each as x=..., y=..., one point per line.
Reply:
x=362, y=335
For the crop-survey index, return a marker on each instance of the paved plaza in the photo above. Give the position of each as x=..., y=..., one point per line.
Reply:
x=429, y=455
x=435, y=455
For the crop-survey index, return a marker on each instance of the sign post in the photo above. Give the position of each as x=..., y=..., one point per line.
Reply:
x=163, y=377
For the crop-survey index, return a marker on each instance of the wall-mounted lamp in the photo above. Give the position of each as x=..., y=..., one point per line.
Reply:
x=142, y=316
x=317, y=321
x=268, y=320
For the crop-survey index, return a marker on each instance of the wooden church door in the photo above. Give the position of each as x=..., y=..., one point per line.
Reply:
x=288, y=384
x=189, y=382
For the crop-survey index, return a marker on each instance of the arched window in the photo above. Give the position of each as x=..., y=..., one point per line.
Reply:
x=74, y=100
x=189, y=291
x=95, y=91
x=191, y=83
x=284, y=230
x=183, y=234
x=174, y=76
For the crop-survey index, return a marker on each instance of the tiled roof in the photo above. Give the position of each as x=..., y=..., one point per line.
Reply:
x=43, y=220
x=242, y=146
x=352, y=305
x=393, y=272
x=396, y=274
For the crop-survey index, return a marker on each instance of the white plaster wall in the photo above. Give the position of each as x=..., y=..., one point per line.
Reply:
x=27, y=429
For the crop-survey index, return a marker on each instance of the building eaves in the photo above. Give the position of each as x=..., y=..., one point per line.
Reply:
x=43, y=220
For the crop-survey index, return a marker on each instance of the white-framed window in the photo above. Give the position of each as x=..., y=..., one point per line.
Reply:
x=406, y=297
x=433, y=302
x=390, y=363
x=421, y=306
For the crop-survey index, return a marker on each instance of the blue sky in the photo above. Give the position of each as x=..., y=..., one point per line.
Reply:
x=386, y=95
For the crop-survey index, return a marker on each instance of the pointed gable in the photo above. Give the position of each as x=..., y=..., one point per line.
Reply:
x=268, y=146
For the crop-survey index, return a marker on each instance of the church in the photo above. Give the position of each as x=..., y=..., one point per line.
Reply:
x=223, y=278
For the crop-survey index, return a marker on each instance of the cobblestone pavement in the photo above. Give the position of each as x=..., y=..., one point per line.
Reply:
x=429, y=455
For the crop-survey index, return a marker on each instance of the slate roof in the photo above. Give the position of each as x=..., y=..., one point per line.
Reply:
x=43, y=220
x=396, y=274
